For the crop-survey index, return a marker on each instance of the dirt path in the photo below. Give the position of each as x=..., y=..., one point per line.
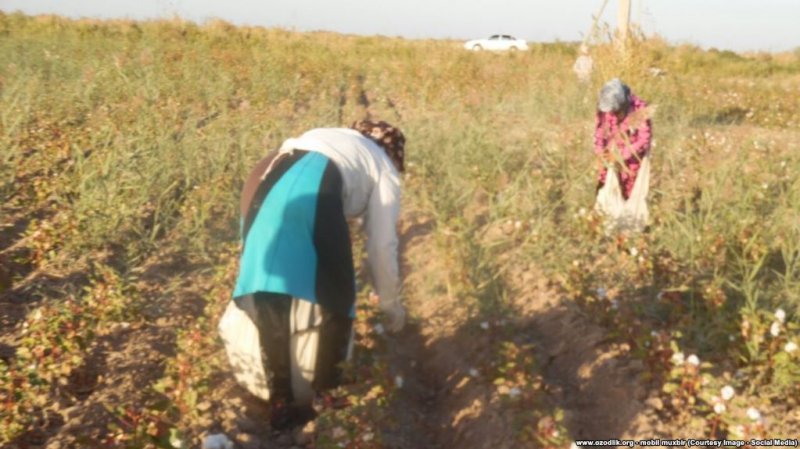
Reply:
x=594, y=380
x=446, y=400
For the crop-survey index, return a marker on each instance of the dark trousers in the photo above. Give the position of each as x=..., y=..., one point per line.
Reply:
x=273, y=312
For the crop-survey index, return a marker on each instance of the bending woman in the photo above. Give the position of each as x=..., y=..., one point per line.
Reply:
x=622, y=141
x=297, y=259
x=623, y=133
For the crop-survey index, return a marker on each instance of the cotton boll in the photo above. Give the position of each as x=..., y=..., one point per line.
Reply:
x=727, y=392
x=217, y=441
x=753, y=414
x=737, y=431
x=775, y=329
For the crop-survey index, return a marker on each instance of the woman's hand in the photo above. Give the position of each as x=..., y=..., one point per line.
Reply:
x=605, y=159
x=395, y=317
x=609, y=159
x=395, y=313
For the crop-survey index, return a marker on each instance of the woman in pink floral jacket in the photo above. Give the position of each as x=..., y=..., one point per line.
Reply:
x=623, y=133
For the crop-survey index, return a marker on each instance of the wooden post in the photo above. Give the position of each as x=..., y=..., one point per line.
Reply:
x=623, y=19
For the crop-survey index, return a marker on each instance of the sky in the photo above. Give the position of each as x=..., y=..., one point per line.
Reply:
x=738, y=25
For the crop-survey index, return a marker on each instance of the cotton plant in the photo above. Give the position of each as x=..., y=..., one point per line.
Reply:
x=777, y=324
x=756, y=425
x=784, y=354
x=721, y=403
x=771, y=341
x=685, y=379
x=731, y=411
x=745, y=423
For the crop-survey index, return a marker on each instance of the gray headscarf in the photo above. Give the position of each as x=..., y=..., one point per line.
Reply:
x=614, y=96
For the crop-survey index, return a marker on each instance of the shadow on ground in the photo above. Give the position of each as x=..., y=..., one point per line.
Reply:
x=449, y=398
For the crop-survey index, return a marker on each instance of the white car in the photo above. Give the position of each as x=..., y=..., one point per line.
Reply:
x=498, y=42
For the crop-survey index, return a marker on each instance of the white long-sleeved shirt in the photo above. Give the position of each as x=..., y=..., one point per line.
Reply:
x=371, y=190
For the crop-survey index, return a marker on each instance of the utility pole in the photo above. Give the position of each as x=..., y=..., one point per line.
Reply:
x=623, y=19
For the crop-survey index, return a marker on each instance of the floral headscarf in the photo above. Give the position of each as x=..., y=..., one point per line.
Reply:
x=391, y=139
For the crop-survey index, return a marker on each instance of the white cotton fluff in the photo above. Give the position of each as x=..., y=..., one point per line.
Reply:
x=217, y=441
x=727, y=392
x=753, y=414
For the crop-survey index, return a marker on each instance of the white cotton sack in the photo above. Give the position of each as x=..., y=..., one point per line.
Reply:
x=621, y=214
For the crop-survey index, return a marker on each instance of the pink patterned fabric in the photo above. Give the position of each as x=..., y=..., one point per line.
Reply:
x=629, y=140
